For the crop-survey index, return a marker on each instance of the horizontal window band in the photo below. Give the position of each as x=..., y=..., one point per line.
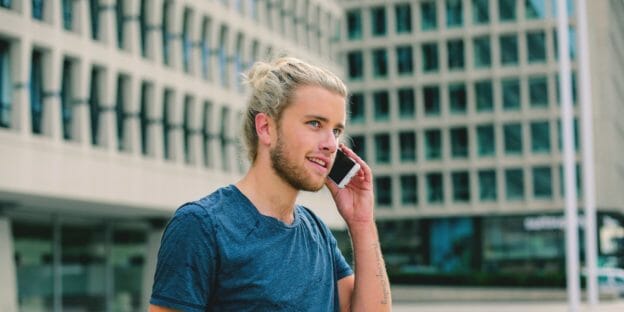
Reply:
x=49, y=94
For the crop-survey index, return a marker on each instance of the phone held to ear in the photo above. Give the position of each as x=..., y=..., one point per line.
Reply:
x=343, y=170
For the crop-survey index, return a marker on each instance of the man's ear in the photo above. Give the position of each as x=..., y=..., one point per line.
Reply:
x=264, y=128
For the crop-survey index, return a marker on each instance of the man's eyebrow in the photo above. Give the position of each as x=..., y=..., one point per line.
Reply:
x=325, y=120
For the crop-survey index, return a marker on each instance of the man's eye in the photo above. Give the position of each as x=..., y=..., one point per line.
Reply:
x=337, y=132
x=314, y=123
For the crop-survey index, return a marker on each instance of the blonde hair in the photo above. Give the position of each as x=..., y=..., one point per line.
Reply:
x=272, y=87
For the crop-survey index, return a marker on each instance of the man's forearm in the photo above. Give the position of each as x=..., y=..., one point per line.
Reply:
x=371, y=291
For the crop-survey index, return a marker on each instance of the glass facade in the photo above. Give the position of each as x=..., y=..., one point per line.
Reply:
x=433, y=144
x=454, y=13
x=409, y=190
x=512, y=138
x=355, y=65
x=514, y=184
x=383, y=191
x=455, y=50
x=457, y=98
x=486, y=143
x=459, y=142
x=507, y=10
x=534, y=9
x=407, y=146
x=508, y=49
x=98, y=266
x=484, y=96
x=461, y=186
x=536, y=46
x=405, y=62
x=482, y=52
x=357, y=108
x=381, y=104
x=435, y=188
x=431, y=99
x=380, y=63
x=487, y=185
x=538, y=91
x=511, y=93
x=480, y=11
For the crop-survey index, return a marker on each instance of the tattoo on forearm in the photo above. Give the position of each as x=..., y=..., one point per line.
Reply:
x=381, y=274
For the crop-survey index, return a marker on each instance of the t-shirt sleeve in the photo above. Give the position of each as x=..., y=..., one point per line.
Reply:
x=341, y=267
x=186, y=267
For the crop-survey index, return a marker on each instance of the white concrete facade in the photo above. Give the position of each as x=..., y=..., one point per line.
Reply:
x=124, y=119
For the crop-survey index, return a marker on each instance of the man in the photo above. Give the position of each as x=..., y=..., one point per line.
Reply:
x=248, y=246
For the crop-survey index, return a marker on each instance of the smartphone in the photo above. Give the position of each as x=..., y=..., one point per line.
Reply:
x=343, y=170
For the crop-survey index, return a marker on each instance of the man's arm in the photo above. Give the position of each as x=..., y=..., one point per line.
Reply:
x=369, y=289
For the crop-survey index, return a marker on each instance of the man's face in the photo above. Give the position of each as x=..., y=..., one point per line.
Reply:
x=307, y=137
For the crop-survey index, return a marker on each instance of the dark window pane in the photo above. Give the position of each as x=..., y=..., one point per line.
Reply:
x=480, y=11
x=455, y=50
x=383, y=190
x=354, y=24
x=435, y=188
x=514, y=184
x=409, y=190
x=381, y=104
x=382, y=148
x=405, y=62
x=536, y=47
x=486, y=142
x=430, y=57
x=407, y=146
x=484, y=97
x=511, y=94
x=487, y=185
x=378, y=20
x=542, y=182
x=459, y=142
x=433, y=144
x=357, y=108
x=431, y=98
x=538, y=91
x=407, y=107
x=461, y=186
x=403, y=17
x=355, y=62
x=457, y=98
x=513, y=138
x=454, y=13
x=507, y=10
x=482, y=52
x=428, y=15
x=380, y=63
x=509, y=49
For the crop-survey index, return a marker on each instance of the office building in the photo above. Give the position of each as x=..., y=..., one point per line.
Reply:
x=113, y=114
x=455, y=106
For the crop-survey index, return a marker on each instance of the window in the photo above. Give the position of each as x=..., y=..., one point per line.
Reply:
x=509, y=49
x=484, y=97
x=187, y=44
x=435, y=188
x=143, y=25
x=223, y=58
x=536, y=47
x=224, y=139
x=37, y=9
x=354, y=24
x=487, y=185
x=542, y=182
x=461, y=186
x=355, y=61
x=381, y=103
x=405, y=63
x=482, y=52
x=358, y=145
x=513, y=138
x=382, y=148
x=94, y=10
x=569, y=5
x=206, y=51
x=455, y=50
x=120, y=19
x=36, y=92
x=428, y=15
x=507, y=10
x=403, y=17
x=431, y=98
x=457, y=98
x=5, y=4
x=511, y=94
x=514, y=184
x=144, y=117
x=538, y=91
x=357, y=109
x=68, y=14
x=5, y=85
x=409, y=189
x=378, y=20
x=380, y=63
x=486, y=142
x=167, y=123
x=407, y=107
x=430, y=57
x=207, y=136
x=454, y=13
x=67, y=100
x=540, y=137
x=459, y=142
x=433, y=144
x=383, y=190
x=166, y=33
x=534, y=9
x=188, y=129
x=407, y=146
x=120, y=111
x=480, y=11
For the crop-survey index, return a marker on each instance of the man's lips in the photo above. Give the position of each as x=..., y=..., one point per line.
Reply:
x=320, y=161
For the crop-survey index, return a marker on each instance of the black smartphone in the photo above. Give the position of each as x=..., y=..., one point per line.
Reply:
x=343, y=170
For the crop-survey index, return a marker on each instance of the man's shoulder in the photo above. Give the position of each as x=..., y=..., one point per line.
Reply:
x=212, y=203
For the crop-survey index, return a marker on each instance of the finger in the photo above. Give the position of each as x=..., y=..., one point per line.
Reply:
x=351, y=154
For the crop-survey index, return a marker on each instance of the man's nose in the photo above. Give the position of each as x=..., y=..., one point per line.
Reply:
x=329, y=142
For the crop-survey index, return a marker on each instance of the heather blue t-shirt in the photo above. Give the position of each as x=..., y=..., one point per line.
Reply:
x=221, y=254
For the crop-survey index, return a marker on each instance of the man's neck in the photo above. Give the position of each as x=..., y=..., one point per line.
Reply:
x=271, y=195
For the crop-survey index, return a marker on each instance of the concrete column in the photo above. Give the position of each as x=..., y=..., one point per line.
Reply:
x=132, y=126
x=8, y=295
x=132, y=28
x=107, y=136
x=81, y=129
x=21, y=52
x=51, y=121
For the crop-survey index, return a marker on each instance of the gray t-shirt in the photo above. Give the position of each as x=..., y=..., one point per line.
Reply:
x=221, y=254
